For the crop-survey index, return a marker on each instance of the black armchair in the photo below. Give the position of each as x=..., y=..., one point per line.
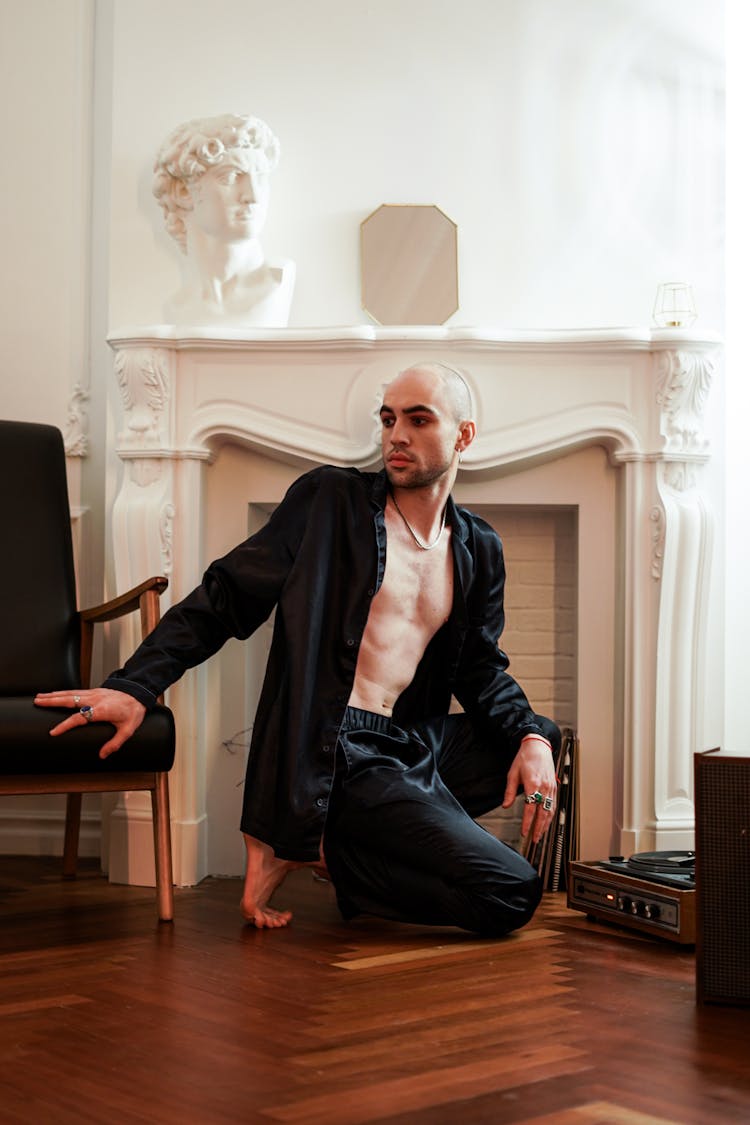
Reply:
x=46, y=645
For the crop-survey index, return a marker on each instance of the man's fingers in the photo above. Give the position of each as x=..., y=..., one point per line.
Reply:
x=102, y=705
x=67, y=724
x=511, y=787
x=110, y=747
x=121, y=735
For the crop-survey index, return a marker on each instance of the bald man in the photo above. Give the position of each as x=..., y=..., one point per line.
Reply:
x=389, y=604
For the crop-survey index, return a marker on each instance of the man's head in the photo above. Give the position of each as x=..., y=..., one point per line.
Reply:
x=426, y=424
x=236, y=155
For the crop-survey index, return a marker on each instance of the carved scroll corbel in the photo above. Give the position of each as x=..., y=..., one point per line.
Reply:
x=75, y=436
x=143, y=375
x=144, y=378
x=683, y=381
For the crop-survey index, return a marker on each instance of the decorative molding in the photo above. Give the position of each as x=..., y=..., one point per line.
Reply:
x=681, y=476
x=656, y=515
x=359, y=337
x=143, y=375
x=683, y=381
x=166, y=519
x=75, y=435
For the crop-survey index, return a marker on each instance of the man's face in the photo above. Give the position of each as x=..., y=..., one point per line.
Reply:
x=419, y=430
x=230, y=199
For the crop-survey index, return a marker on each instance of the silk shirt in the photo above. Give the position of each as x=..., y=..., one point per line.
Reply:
x=319, y=561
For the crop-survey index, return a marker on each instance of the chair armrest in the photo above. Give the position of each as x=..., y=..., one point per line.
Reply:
x=126, y=603
x=144, y=597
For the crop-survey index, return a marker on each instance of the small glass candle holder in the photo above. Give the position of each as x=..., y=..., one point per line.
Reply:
x=674, y=306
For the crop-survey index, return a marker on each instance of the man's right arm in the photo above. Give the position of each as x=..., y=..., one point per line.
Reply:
x=237, y=594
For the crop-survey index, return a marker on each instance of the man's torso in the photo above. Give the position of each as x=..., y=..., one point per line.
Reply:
x=413, y=602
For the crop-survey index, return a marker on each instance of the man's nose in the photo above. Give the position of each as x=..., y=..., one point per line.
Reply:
x=399, y=434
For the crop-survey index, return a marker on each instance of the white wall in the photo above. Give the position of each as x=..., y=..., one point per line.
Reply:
x=45, y=82
x=576, y=143
x=737, y=617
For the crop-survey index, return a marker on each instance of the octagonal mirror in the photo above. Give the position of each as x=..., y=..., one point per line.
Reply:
x=409, y=265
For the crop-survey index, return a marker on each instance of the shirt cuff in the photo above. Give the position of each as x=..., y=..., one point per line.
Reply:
x=129, y=687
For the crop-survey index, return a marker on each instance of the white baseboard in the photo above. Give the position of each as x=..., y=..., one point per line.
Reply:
x=131, y=846
x=41, y=831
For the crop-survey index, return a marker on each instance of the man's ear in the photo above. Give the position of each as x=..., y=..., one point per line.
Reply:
x=467, y=431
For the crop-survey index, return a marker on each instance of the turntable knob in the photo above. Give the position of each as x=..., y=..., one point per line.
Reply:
x=634, y=907
x=651, y=910
x=624, y=903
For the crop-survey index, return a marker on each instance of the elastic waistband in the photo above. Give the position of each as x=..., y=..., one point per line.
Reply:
x=357, y=719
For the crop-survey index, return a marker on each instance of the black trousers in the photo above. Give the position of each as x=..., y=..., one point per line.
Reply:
x=400, y=841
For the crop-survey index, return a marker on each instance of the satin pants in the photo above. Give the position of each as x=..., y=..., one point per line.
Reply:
x=400, y=840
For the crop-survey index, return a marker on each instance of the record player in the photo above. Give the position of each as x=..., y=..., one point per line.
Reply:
x=653, y=892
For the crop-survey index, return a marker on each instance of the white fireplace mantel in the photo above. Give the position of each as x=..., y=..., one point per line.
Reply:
x=308, y=396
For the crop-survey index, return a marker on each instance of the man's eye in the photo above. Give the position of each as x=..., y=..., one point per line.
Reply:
x=387, y=423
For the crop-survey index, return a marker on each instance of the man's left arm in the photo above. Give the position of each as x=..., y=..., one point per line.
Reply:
x=495, y=701
x=498, y=706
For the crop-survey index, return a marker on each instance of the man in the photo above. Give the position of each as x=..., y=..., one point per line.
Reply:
x=389, y=600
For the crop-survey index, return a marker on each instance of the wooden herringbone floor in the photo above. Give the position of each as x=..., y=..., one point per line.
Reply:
x=107, y=1017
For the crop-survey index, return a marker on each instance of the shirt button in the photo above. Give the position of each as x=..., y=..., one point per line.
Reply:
x=370, y=593
x=320, y=802
x=327, y=749
x=350, y=643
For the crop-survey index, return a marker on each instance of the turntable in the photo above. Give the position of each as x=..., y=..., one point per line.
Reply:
x=653, y=892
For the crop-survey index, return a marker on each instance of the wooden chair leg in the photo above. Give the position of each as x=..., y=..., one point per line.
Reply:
x=163, y=847
x=72, y=833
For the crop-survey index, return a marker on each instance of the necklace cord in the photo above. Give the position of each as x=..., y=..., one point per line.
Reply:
x=422, y=546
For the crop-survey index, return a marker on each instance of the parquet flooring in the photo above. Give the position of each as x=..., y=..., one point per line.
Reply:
x=105, y=1016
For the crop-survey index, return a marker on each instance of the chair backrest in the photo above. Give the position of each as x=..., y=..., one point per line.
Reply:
x=39, y=628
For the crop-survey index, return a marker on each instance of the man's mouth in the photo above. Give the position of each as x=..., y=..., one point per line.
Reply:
x=399, y=459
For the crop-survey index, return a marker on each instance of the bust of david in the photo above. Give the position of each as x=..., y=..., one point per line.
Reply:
x=212, y=179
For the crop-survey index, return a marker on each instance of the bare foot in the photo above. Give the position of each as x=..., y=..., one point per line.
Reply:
x=263, y=875
x=320, y=869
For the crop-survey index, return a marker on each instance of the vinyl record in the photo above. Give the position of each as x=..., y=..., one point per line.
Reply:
x=665, y=863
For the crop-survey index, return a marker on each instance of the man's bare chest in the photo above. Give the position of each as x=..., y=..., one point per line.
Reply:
x=418, y=585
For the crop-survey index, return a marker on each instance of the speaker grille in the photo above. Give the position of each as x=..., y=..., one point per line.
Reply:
x=722, y=845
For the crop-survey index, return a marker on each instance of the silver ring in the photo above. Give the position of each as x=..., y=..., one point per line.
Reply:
x=534, y=798
x=77, y=700
x=88, y=713
x=547, y=805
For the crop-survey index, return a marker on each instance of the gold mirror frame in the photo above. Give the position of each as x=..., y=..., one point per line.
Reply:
x=409, y=264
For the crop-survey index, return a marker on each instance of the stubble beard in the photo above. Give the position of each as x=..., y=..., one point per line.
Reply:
x=418, y=477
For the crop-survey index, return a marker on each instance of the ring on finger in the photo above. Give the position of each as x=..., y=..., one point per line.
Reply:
x=87, y=712
x=533, y=798
x=77, y=700
x=547, y=804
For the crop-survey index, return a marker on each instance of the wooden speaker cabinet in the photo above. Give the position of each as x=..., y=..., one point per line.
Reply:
x=722, y=878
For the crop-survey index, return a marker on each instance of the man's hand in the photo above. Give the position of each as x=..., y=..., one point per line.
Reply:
x=107, y=706
x=533, y=771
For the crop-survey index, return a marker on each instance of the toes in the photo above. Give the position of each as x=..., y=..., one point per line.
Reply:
x=264, y=919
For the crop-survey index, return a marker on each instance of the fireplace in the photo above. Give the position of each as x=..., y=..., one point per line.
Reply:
x=589, y=462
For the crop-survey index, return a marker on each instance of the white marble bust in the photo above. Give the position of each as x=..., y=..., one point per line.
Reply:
x=212, y=179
